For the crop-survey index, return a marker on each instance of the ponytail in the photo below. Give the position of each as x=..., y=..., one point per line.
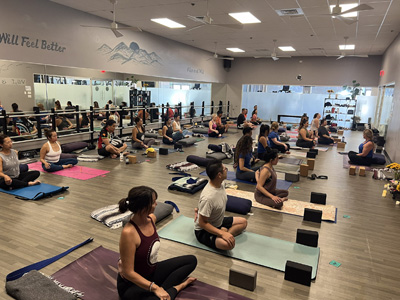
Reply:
x=123, y=205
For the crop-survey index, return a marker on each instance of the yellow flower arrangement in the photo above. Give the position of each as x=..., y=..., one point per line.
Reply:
x=396, y=168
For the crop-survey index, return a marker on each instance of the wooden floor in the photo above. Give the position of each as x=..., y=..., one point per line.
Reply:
x=367, y=244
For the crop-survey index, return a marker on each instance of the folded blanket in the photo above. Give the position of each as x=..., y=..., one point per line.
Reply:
x=36, y=286
x=189, y=185
x=183, y=166
x=90, y=158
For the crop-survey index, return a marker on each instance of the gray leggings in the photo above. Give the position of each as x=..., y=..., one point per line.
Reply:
x=146, y=141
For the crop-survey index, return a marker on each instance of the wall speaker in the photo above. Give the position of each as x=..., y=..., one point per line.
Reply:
x=227, y=63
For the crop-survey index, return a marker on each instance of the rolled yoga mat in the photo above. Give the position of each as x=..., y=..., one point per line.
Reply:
x=280, y=184
x=95, y=274
x=254, y=248
x=36, y=192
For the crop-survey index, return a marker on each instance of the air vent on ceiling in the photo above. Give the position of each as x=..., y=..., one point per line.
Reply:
x=289, y=12
x=262, y=50
x=320, y=51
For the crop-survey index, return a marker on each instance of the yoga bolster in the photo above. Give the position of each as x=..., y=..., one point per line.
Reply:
x=281, y=129
x=215, y=148
x=151, y=135
x=187, y=141
x=378, y=159
x=68, y=155
x=284, y=138
x=216, y=155
x=200, y=161
x=69, y=147
x=238, y=205
x=162, y=211
x=200, y=130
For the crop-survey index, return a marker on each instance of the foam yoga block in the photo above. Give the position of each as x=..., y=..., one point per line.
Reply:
x=311, y=154
x=311, y=163
x=304, y=170
x=318, y=198
x=312, y=215
x=298, y=273
x=314, y=150
x=292, y=177
x=352, y=170
x=307, y=237
x=200, y=161
x=243, y=278
x=341, y=145
x=361, y=171
x=163, y=151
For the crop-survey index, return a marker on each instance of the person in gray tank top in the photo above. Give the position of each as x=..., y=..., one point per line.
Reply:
x=10, y=175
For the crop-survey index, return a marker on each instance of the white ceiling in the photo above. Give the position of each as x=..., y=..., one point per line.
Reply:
x=313, y=34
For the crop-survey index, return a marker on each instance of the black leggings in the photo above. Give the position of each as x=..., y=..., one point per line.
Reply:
x=359, y=160
x=21, y=181
x=325, y=141
x=168, y=274
x=304, y=144
x=247, y=175
x=281, y=148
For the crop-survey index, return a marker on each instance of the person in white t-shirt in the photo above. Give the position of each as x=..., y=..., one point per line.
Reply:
x=212, y=228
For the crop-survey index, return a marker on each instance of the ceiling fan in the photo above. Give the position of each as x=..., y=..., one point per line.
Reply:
x=338, y=13
x=343, y=55
x=216, y=56
x=208, y=21
x=273, y=54
x=114, y=26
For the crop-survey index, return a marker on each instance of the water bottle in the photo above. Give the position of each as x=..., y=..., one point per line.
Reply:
x=121, y=157
x=342, y=139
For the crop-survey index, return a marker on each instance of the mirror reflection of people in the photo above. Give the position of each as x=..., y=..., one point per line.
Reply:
x=365, y=150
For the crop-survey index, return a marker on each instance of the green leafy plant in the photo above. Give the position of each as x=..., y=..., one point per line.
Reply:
x=131, y=80
x=354, y=89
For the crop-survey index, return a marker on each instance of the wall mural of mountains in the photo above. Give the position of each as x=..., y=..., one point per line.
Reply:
x=132, y=53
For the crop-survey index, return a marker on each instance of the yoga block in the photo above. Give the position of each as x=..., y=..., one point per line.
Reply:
x=318, y=198
x=337, y=140
x=311, y=163
x=132, y=159
x=361, y=171
x=334, y=136
x=163, y=151
x=311, y=154
x=298, y=273
x=292, y=177
x=340, y=132
x=160, y=132
x=312, y=215
x=152, y=154
x=243, y=278
x=307, y=237
x=314, y=150
x=341, y=145
x=304, y=170
x=352, y=170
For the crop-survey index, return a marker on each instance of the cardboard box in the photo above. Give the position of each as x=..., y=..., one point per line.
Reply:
x=152, y=154
x=341, y=145
x=340, y=132
x=304, y=170
x=311, y=163
x=361, y=171
x=352, y=170
x=132, y=159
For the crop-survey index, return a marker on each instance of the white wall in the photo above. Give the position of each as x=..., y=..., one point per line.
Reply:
x=391, y=66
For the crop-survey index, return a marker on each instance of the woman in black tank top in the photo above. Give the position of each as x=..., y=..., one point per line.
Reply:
x=138, y=139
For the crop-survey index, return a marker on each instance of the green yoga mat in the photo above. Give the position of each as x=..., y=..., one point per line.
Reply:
x=254, y=248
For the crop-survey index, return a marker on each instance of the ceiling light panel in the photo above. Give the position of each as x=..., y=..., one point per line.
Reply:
x=169, y=23
x=245, y=18
x=287, y=48
x=347, y=47
x=235, y=49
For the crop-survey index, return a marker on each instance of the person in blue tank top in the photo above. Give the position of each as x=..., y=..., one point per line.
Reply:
x=274, y=142
x=262, y=141
x=140, y=274
x=244, y=159
x=365, y=151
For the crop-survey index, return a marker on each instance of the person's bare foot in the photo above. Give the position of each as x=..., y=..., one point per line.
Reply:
x=113, y=155
x=219, y=135
x=287, y=152
x=67, y=166
x=285, y=199
x=224, y=229
x=36, y=182
x=125, y=153
x=184, y=284
x=196, y=214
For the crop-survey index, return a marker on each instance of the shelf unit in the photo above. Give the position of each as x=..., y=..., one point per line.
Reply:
x=341, y=111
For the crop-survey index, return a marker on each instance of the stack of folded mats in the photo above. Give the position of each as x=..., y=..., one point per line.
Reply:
x=188, y=184
x=183, y=166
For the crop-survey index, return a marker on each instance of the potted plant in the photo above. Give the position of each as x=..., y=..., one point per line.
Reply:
x=131, y=81
x=354, y=89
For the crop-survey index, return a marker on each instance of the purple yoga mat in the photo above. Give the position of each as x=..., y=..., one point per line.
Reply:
x=95, y=274
x=347, y=165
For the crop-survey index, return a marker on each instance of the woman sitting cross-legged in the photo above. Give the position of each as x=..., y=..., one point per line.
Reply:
x=10, y=175
x=244, y=158
x=167, y=132
x=108, y=144
x=213, y=130
x=304, y=139
x=274, y=142
x=266, y=192
x=140, y=274
x=138, y=139
x=323, y=134
x=178, y=133
x=365, y=150
x=50, y=154
x=262, y=141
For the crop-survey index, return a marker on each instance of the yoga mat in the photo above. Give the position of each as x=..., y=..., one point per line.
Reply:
x=320, y=148
x=291, y=207
x=286, y=168
x=280, y=184
x=291, y=160
x=347, y=165
x=95, y=274
x=254, y=248
x=77, y=172
x=36, y=192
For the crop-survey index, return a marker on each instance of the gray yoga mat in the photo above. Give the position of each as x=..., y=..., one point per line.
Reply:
x=290, y=161
x=254, y=248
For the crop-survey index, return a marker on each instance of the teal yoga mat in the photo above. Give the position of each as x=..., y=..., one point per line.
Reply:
x=254, y=248
x=36, y=192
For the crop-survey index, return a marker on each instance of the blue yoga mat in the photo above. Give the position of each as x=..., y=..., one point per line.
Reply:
x=254, y=248
x=36, y=192
x=280, y=184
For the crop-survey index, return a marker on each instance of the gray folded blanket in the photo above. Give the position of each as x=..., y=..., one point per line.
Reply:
x=36, y=286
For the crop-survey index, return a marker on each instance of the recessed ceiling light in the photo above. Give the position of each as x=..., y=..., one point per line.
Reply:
x=169, y=23
x=346, y=7
x=287, y=48
x=347, y=47
x=235, y=49
x=245, y=17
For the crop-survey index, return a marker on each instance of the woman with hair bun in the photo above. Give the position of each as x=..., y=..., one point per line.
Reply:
x=266, y=192
x=50, y=154
x=140, y=275
x=365, y=150
x=262, y=140
x=304, y=139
